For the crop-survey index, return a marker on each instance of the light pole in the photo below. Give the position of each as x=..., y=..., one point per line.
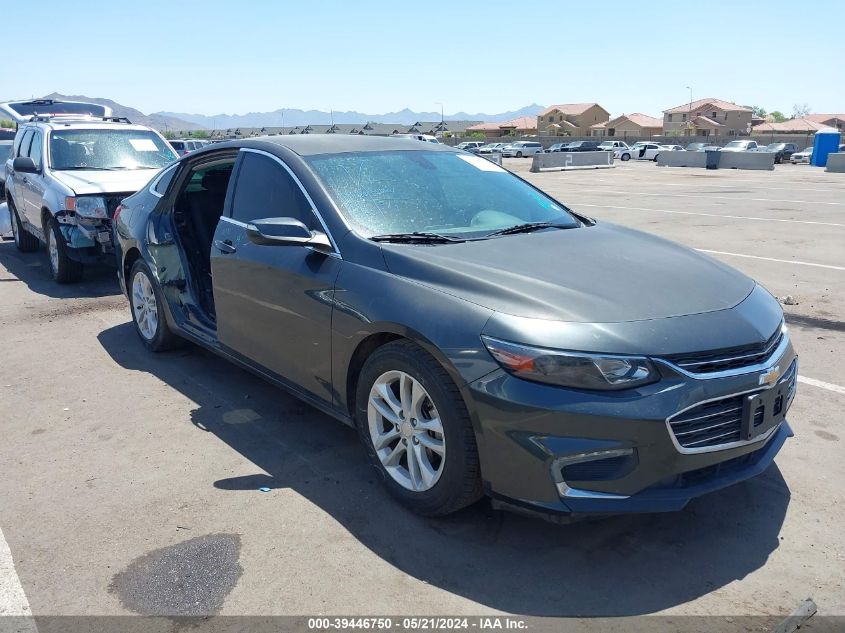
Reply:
x=689, y=116
x=441, y=110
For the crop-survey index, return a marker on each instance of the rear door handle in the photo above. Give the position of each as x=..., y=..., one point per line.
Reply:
x=225, y=246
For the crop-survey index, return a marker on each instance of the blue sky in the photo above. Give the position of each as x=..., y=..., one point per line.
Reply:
x=374, y=56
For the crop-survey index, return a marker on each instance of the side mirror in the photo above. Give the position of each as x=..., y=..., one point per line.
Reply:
x=286, y=232
x=25, y=165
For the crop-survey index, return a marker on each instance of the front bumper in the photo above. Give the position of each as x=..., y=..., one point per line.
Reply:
x=561, y=451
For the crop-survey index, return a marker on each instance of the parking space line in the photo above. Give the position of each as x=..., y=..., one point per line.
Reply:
x=821, y=384
x=707, y=196
x=772, y=259
x=13, y=600
x=711, y=215
x=698, y=183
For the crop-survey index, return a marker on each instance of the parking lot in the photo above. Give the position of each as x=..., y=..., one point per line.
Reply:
x=121, y=467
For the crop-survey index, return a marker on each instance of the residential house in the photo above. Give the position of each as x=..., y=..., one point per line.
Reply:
x=707, y=117
x=792, y=126
x=520, y=126
x=570, y=119
x=636, y=125
x=835, y=121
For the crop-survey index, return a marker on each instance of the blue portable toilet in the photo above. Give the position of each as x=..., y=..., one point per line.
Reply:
x=826, y=142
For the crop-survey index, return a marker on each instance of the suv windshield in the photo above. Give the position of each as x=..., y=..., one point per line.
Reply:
x=737, y=144
x=108, y=149
x=448, y=193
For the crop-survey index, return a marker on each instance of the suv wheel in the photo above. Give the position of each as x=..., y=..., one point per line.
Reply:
x=63, y=268
x=146, y=304
x=519, y=154
x=25, y=241
x=416, y=430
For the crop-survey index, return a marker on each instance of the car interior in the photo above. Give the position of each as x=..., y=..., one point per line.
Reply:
x=196, y=212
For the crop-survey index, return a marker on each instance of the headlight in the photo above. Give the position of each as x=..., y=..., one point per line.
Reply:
x=571, y=369
x=91, y=207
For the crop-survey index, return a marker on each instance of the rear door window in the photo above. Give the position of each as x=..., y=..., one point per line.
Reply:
x=264, y=189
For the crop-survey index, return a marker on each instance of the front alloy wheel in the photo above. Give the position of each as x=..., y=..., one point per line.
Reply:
x=408, y=410
x=406, y=431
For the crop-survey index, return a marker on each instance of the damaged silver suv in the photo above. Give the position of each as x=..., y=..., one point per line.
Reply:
x=65, y=178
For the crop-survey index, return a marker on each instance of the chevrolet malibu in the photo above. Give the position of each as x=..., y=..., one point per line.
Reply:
x=483, y=338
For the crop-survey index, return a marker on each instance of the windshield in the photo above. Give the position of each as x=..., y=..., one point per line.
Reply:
x=108, y=149
x=444, y=192
x=736, y=144
x=775, y=146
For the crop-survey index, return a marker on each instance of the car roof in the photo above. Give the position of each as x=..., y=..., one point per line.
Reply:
x=82, y=124
x=315, y=144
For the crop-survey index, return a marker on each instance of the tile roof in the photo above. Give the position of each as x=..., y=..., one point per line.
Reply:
x=706, y=121
x=793, y=125
x=823, y=118
x=717, y=103
x=637, y=118
x=569, y=108
x=519, y=123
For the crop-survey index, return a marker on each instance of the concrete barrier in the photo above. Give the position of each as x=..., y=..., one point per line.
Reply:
x=836, y=162
x=495, y=157
x=746, y=160
x=562, y=161
x=682, y=159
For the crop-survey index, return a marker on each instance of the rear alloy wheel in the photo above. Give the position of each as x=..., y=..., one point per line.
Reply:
x=519, y=154
x=25, y=241
x=145, y=302
x=416, y=429
x=63, y=269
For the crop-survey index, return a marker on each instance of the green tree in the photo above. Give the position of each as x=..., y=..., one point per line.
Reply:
x=776, y=116
x=476, y=135
x=757, y=111
x=199, y=134
x=169, y=135
x=7, y=123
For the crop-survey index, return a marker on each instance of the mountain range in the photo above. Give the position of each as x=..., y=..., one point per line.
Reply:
x=155, y=120
x=180, y=121
x=290, y=117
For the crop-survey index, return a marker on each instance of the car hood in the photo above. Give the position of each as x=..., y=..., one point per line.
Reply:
x=599, y=274
x=93, y=181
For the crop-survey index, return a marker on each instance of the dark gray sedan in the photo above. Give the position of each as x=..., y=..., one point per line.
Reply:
x=482, y=337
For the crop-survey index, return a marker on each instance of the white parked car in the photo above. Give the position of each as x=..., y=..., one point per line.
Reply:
x=802, y=157
x=491, y=148
x=522, y=148
x=644, y=150
x=420, y=137
x=469, y=146
x=741, y=146
x=620, y=149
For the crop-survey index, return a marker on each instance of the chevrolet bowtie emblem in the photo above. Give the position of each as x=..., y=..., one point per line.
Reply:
x=770, y=376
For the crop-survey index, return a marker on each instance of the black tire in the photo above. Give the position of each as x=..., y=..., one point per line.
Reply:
x=519, y=154
x=25, y=241
x=63, y=269
x=655, y=157
x=459, y=484
x=625, y=157
x=164, y=338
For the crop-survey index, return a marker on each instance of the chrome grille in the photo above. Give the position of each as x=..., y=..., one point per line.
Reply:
x=734, y=358
x=720, y=421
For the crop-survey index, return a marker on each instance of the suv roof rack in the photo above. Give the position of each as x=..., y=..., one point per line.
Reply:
x=49, y=118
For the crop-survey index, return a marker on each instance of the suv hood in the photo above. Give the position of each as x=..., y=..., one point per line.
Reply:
x=92, y=181
x=599, y=274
